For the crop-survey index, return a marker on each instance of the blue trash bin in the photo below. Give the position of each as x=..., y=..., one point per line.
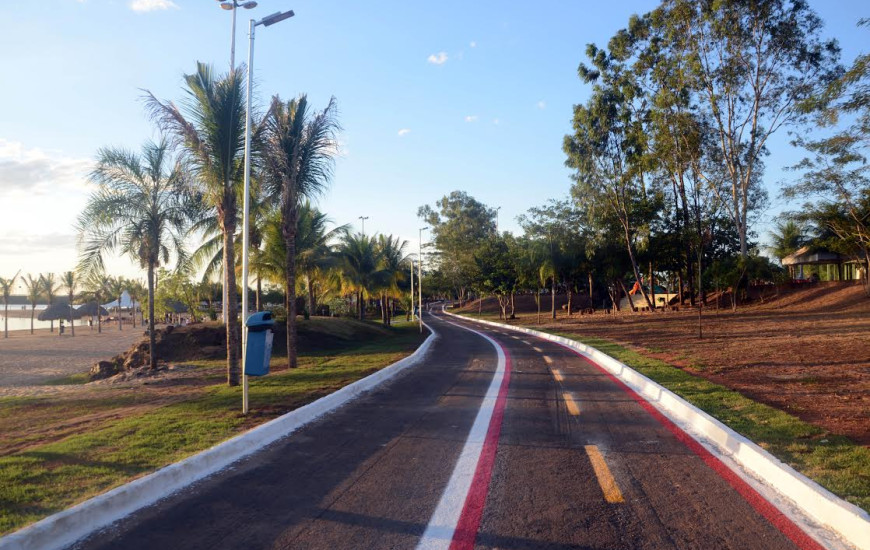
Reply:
x=259, y=346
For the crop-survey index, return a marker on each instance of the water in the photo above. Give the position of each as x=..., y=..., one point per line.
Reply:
x=23, y=323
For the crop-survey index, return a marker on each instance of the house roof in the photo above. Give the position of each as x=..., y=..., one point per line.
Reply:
x=807, y=255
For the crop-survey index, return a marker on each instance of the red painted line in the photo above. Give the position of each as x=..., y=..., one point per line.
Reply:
x=770, y=512
x=472, y=510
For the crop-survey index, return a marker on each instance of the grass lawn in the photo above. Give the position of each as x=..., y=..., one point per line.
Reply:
x=42, y=479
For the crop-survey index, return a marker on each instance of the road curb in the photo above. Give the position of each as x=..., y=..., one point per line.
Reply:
x=64, y=528
x=847, y=520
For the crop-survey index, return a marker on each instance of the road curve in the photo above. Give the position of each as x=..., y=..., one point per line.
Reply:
x=497, y=440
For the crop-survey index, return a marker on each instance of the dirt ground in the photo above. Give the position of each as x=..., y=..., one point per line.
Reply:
x=33, y=360
x=806, y=351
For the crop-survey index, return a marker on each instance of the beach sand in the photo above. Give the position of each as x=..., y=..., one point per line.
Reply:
x=31, y=360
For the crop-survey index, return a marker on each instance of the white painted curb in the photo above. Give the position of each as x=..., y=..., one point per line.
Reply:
x=847, y=520
x=64, y=528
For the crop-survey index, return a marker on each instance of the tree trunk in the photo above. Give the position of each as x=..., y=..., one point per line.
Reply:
x=591, y=301
x=634, y=268
x=231, y=321
x=513, y=306
x=627, y=295
x=538, y=303
x=152, y=355
x=290, y=267
x=72, y=324
x=119, y=314
x=32, y=313
x=5, y=318
x=259, y=304
x=309, y=285
x=652, y=286
x=553, y=298
x=570, y=298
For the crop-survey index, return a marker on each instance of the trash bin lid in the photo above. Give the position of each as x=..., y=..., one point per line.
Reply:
x=260, y=319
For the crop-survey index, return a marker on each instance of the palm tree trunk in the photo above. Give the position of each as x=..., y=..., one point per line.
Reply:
x=152, y=355
x=99, y=317
x=72, y=323
x=134, y=313
x=290, y=267
x=309, y=284
x=553, y=298
x=120, y=324
x=5, y=319
x=32, y=311
x=362, y=306
x=259, y=293
x=232, y=321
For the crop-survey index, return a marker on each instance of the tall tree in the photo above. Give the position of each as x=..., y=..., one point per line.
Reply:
x=361, y=269
x=35, y=290
x=786, y=238
x=300, y=153
x=210, y=127
x=117, y=286
x=50, y=288
x=6, y=290
x=71, y=281
x=96, y=285
x=141, y=209
x=460, y=223
x=393, y=260
x=753, y=64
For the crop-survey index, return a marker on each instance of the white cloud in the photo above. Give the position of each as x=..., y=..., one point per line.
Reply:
x=142, y=6
x=439, y=58
x=404, y=131
x=473, y=44
x=495, y=121
x=26, y=171
x=542, y=104
x=471, y=118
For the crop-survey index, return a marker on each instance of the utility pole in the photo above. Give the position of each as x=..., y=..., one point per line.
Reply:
x=420, y=278
x=364, y=218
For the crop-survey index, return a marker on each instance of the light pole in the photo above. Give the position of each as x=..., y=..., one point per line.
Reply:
x=363, y=218
x=266, y=22
x=496, y=219
x=233, y=6
x=420, y=278
x=412, y=289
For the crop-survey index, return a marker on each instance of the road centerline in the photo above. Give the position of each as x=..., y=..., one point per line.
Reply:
x=611, y=491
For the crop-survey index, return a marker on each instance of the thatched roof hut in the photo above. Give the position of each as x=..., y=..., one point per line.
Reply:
x=90, y=308
x=55, y=312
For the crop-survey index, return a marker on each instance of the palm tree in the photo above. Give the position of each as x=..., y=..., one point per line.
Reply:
x=392, y=255
x=300, y=152
x=210, y=128
x=136, y=290
x=50, y=288
x=6, y=289
x=360, y=264
x=96, y=286
x=787, y=237
x=141, y=209
x=34, y=292
x=117, y=286
x=70, y=281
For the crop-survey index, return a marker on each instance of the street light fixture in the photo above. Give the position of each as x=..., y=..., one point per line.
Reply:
x=364, y=218
x=420, y=277
x=233, y=6
x=266, y=21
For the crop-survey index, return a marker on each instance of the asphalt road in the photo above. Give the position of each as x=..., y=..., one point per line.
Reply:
x=538, y=449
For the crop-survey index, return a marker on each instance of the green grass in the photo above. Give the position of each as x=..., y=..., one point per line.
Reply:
x=44, y=479
x=833, y=461
x=69, y=380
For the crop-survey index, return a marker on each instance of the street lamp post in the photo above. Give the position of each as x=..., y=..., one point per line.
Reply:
x=233, y=6
x=266, y=22
x=496, y=219
x=412, y=290
x=364, y=218
x=420, y=278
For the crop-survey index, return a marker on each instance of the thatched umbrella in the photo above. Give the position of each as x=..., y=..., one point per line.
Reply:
x=56, y=312
x=91, y=309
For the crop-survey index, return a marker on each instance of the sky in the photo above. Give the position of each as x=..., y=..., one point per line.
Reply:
x=432, y=96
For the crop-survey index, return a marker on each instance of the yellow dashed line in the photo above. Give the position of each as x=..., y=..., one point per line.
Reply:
x=557, y=374
x=611, y=491
x=573, y=408
x=548, y=360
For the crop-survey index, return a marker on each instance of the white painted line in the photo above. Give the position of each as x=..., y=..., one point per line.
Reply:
x=64, y=528
x=442, y=524
x=820, y=513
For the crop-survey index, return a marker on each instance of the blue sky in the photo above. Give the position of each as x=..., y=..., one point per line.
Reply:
x=433, y=97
